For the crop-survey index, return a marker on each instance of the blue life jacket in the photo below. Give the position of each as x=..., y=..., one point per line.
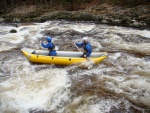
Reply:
x=87, y=47
x=51, y=47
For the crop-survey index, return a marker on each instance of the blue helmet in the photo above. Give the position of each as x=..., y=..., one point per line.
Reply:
x=49, y=39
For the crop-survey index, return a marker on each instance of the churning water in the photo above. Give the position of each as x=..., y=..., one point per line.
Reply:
x=119, y=84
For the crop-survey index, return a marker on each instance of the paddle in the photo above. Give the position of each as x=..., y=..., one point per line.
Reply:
x=77, y=47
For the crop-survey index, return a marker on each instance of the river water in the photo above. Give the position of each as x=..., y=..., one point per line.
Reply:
x=119, y=84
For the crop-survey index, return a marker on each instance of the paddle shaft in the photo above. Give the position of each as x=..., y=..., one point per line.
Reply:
x=77, y=47
x=81, y=51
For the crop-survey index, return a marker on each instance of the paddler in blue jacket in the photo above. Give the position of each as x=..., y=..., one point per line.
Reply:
x=86, y=46
x=50, y=46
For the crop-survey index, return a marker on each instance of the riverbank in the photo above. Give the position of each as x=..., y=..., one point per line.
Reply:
x=137, y=16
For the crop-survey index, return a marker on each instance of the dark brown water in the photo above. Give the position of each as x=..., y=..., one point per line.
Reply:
x=119, y=84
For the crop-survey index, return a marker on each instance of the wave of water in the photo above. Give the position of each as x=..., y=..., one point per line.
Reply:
x=121, y=83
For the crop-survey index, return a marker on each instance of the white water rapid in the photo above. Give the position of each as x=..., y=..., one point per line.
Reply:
x=119, y=84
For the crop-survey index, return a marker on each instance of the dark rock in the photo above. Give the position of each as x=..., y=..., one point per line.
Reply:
x=16, y=20
x=13, y=31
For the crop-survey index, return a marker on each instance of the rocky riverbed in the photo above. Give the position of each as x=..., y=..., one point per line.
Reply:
x=138, y=16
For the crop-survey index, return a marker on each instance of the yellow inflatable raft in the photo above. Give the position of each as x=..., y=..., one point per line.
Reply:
x=62, y=58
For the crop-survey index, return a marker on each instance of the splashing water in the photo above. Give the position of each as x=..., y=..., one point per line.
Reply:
x=121, y=83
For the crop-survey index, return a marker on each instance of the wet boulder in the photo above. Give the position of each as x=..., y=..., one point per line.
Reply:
x=16, y=20
x=104, y=21
x=13, y=31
